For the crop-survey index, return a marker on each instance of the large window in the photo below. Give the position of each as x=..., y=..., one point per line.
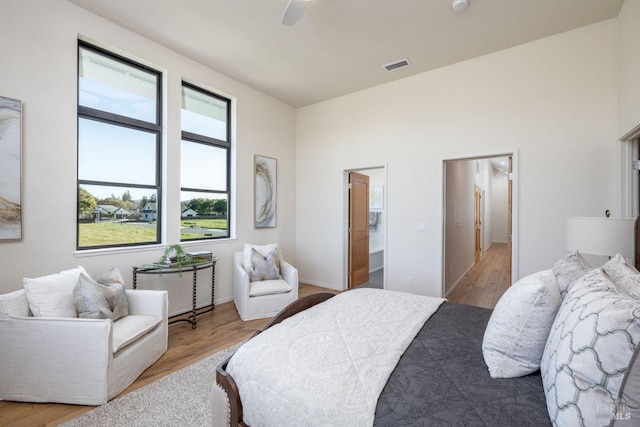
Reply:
x=119, y=140
x=205, y=159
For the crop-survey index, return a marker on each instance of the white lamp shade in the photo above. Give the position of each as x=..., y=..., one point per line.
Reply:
x=601, y=236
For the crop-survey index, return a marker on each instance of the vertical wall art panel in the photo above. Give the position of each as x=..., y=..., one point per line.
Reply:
x=265, y=192
x=10, y=169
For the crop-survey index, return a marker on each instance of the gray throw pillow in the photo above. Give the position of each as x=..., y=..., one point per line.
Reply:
x=104, y=298
x=264, y=267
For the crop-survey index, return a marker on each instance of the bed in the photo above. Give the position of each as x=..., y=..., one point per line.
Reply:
x=443, y=374
x=461, y=391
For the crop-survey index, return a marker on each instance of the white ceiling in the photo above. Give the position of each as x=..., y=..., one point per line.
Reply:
x=340, y=46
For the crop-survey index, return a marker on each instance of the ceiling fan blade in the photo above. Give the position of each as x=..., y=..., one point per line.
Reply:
x=293, y=12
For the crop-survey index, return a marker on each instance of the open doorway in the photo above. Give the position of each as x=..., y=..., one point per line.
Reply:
x=477, y=262
x=366, y=236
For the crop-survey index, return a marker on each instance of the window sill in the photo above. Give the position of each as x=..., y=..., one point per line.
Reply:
x=135, y=249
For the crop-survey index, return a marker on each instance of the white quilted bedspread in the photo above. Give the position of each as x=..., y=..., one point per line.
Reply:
x=327, y=365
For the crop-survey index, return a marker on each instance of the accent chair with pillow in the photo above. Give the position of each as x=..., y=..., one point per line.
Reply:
x=263, y=282
x=67, y=338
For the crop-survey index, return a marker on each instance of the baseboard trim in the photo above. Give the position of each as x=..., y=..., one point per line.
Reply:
x=323, y=285
x=459, y=279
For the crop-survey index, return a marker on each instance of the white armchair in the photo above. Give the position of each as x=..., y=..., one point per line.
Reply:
x=260, y=299
x=75, y=360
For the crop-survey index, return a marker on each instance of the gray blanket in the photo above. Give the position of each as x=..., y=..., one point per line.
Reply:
x=442, y=380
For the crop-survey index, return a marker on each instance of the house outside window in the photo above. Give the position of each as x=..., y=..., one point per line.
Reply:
x=119, y=155
x=205, y=165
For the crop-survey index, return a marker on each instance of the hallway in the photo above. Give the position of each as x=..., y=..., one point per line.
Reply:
x=485, y=282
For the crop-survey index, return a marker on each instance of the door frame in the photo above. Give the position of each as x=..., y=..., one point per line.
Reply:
x=515, y=211
x=345, y=221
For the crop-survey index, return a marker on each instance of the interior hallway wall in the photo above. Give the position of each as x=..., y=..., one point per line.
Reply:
x=499, y=209
x=459, y=220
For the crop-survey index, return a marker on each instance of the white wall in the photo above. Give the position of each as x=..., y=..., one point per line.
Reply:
x=38, y=46
x=629, y=60
x=552, y=101
x=459, y=244
x=499, y=207
x=483, y=179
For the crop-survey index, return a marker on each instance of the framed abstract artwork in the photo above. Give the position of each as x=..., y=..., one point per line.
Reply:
x=10, y=169
x=265, y=191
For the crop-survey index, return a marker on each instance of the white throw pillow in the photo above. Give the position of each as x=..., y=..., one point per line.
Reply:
x=262, y=250
x=52, y=296
x=589, y=351
x=624, y=276
x=519, y=326
x=568, y=270
x=14, y=304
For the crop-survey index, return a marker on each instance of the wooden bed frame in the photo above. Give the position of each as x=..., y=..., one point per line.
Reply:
x=225, y=380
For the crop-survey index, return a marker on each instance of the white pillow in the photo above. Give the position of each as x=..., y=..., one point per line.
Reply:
x=588, y=352
x=52, y=296
x=624, y=276
x=519, y=326
x=262, y=250
x=14, y=304
x=568, y=270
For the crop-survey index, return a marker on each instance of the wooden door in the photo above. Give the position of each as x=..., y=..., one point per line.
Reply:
x=358, y=229
x=509, y=220
x=478, y=222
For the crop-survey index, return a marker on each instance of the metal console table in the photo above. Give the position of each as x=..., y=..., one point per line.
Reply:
x=194, y=268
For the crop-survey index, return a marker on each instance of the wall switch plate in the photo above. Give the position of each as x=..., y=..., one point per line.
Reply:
x=409, y=280
x=422, y=227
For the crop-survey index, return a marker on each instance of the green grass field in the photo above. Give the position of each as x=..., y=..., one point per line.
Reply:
x=113, y=233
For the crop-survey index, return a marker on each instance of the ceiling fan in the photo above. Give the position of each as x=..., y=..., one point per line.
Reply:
x=293, y=12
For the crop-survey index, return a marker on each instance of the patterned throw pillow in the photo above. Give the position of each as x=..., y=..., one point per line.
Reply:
x=624, y=276
x=588, y=352
x=264, y=267
x=568, y=270
x=104, y=298
x=262, y=249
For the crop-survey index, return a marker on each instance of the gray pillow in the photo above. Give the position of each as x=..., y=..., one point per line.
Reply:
x=104, y=298
x=264, y=267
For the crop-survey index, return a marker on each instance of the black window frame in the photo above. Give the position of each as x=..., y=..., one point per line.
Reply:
x=218, y=143
x=88, y=113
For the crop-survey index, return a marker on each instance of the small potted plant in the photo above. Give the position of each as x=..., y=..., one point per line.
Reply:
x=174, y=256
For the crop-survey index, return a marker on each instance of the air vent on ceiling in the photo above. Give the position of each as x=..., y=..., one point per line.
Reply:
x=397, y=65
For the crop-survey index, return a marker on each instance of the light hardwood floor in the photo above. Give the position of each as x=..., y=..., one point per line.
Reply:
x=216, y=330
x=486, y=281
